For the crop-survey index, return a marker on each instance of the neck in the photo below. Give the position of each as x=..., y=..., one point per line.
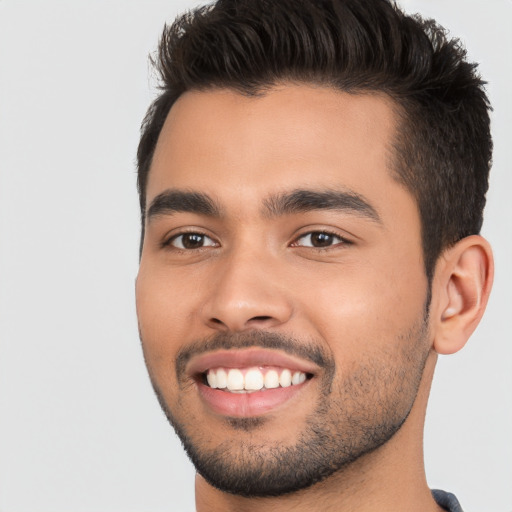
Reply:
x=390, y=479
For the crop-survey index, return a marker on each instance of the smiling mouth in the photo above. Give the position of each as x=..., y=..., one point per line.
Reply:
x=249, y=382
x=253, y=379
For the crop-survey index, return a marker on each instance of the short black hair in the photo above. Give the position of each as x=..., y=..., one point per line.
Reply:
x=442, y=146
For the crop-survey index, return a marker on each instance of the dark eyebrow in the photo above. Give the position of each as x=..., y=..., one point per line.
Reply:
x=299, y=201
x=173, y=201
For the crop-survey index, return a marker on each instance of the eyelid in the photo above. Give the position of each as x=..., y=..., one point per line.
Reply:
x=170, y=238
x=343, y=239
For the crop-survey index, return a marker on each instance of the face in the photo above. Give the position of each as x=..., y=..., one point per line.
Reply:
x=281, y=292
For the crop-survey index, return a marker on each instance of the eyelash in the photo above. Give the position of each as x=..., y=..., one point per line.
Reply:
x=342, y=241
x=168, y=243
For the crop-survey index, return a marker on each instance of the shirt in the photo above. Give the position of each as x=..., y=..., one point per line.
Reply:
x=447, y=500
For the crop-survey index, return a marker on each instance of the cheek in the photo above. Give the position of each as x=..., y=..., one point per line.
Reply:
x=165, y=314
x=363, y=307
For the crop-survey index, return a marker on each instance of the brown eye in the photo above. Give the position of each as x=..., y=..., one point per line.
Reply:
x=192, y=241
x=319, y=239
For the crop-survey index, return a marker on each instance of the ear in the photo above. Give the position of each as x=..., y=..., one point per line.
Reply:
x=461, y=288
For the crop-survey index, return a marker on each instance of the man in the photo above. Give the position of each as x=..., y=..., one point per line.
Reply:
x=312, y=179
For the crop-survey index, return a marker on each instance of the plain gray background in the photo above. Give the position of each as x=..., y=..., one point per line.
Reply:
x=80, y=429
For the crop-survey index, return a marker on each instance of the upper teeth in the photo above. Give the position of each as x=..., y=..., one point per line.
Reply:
x=252, y=379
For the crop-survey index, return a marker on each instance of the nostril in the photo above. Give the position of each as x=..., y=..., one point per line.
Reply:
x=260, y=318
x=239, y=319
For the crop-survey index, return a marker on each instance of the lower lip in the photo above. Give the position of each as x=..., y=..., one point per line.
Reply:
x=247, y=405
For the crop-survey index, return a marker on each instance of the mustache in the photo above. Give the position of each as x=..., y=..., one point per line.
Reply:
x=259, y=339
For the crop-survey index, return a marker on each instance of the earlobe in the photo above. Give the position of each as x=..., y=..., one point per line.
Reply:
x=462, y=284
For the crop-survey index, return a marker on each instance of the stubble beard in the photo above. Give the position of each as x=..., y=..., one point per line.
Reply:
x=352, y=418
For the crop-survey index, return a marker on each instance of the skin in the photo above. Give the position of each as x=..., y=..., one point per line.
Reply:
x=361, y=299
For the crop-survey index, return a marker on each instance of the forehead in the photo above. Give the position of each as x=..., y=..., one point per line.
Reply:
x=233, y=146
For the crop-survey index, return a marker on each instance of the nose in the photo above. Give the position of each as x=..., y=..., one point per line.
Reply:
x=248, y=292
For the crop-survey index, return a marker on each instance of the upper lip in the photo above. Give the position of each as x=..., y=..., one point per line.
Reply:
x=249, y=357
